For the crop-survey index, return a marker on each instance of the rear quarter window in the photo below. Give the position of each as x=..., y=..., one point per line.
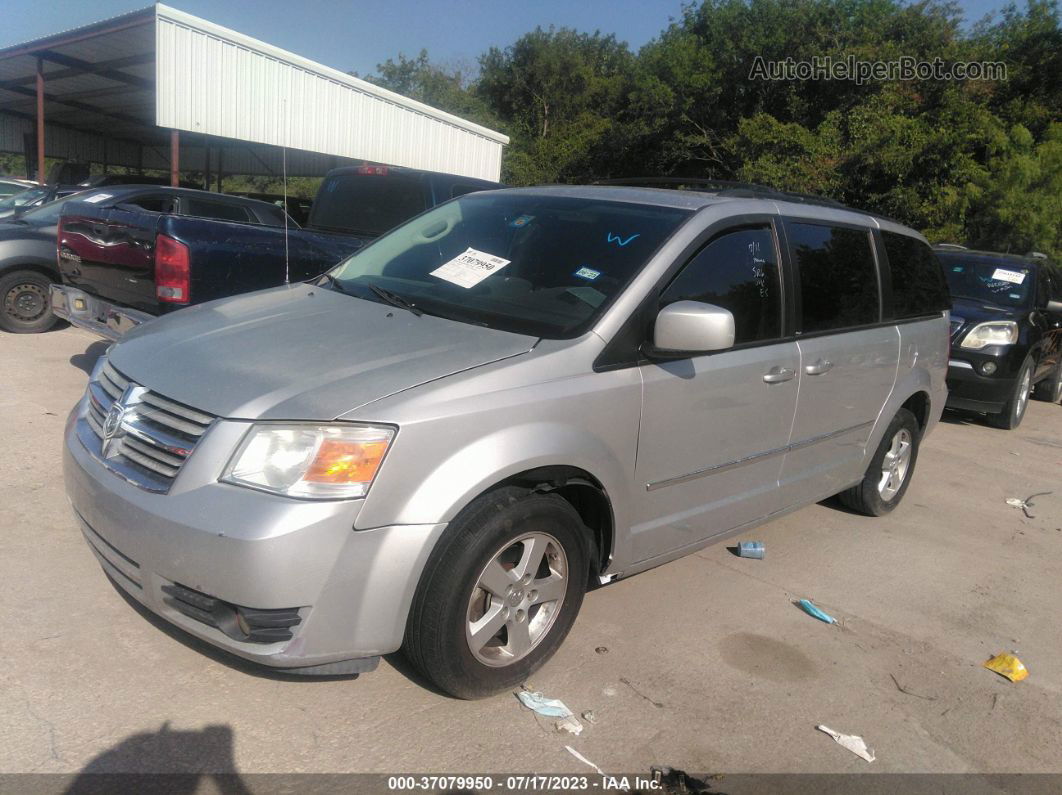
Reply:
x=218, y=211
x=918, y=284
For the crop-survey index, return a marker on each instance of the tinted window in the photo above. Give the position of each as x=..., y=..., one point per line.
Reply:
x=154, y=204
x=219, y=211
x=368, y=204
x=533, y=264
x=738, y=271
x=918, y=286
x=838, y=280
x=988, y=279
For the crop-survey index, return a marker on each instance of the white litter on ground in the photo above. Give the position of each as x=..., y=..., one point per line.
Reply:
x=852, y=742
x=583, y=759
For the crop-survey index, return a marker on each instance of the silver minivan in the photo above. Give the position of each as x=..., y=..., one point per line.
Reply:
x=441, y=443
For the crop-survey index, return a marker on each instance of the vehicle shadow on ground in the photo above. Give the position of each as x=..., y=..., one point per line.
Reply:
x=215, y=654
x=165, y=761
x=87, y=360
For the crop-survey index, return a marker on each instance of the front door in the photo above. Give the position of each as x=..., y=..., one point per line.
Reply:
x=714, y=427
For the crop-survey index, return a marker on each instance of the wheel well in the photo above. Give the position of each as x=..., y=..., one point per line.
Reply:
x=51, y=273
x=918, y=404
x=585, y=494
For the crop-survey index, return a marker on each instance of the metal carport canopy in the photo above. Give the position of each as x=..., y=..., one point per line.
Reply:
x=112, y=92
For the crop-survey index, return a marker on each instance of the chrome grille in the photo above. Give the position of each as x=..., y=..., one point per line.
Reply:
x=151, y=436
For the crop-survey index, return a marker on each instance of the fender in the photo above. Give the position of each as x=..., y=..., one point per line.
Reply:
x=488, y=460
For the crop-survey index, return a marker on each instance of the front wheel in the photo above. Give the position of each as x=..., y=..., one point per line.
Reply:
x=890, y=470
x=499, y=594
x=25, y=302
x=1014, y=410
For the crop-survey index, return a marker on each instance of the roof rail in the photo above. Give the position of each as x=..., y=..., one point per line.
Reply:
x=951, y=246
x=735, y=190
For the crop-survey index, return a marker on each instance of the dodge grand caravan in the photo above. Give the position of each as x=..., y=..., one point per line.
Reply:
x=438, y=445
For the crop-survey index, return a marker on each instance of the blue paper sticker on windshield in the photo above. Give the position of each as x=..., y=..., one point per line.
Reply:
x=587, y=273
x=521, y=220
x=619, y=241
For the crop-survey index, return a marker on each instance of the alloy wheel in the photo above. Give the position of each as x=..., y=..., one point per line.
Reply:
x=895, y=464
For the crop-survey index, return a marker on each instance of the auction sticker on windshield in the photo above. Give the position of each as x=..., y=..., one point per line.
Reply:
x=1003, y=275
x=470, y=268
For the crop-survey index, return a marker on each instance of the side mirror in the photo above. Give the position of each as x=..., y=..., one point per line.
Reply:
x=685, y=328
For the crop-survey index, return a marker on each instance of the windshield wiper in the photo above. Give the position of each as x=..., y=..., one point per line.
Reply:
x=394, y=299
x=336, y=284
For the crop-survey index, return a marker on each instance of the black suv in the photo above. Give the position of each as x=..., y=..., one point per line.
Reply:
x=1006, y=332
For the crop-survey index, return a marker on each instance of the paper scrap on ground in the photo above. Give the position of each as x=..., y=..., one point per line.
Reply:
x=811, y=610
x=852, y=742
x=583, y=759
x=470, y=268
x=1007, y=665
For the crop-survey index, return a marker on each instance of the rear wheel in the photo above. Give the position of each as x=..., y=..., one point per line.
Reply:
x=890, y=470
x=1014, y=410
x=1050, y=389
x=499, y=594
x=25, y=302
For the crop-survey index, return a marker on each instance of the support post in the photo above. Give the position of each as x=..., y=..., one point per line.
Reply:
x=175, y=159
x=40, y=121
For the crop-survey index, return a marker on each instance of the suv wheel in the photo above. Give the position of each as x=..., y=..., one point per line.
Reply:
x=890, y=470
x=499, y=593
x=1014, y=410
x=25, y=303
x=1050, y=389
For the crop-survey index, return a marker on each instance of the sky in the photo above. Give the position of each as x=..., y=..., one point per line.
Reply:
x=358, y=34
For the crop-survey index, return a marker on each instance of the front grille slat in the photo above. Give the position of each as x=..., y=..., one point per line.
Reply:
x=156, y=435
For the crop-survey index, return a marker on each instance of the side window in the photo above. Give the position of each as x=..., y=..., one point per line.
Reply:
x=837, y=277
x=737, y=270
x=153, y=204
x=219, y=211
x=918, y=285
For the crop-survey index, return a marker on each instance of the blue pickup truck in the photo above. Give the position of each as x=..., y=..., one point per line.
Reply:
x=128, y=254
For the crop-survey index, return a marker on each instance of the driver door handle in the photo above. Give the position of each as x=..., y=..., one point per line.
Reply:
x=820, y=367
x=777, y=375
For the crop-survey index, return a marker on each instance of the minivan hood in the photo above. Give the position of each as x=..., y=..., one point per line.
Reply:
x=300, y=353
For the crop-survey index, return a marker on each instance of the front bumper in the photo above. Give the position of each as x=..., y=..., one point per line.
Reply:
x=352, y=589
x=970, y=390
x=94, y=314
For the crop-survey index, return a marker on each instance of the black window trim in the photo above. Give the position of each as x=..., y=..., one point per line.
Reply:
x=794, y=271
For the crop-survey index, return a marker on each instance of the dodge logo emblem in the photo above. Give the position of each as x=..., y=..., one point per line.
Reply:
x=113, y=430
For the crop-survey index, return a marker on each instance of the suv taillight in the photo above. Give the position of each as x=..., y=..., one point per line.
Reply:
x=172, y=272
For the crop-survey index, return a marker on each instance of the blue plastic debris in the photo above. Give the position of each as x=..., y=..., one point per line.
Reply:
x=814, y=612
x=751, y=549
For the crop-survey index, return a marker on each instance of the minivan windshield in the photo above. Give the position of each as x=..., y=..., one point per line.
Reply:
x=527, y=263
x=993, y=280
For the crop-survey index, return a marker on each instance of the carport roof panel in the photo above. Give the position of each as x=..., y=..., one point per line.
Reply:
x=123, y=49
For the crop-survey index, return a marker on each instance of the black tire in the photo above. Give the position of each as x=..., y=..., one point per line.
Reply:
x=25, y=302
x=1050, y=389
x=867, y=496
x=1014, y=410
x=436, y=642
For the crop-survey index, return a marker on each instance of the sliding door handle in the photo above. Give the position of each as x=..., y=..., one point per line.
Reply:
x=777, y=375
x=820, y=367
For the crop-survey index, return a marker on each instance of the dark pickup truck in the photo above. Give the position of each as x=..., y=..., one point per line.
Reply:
x=139, y=252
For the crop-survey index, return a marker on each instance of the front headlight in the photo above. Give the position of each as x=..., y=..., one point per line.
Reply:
x=996, y=332
x=321, y=462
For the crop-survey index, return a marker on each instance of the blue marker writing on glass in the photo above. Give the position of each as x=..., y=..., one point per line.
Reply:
x=619, y=241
